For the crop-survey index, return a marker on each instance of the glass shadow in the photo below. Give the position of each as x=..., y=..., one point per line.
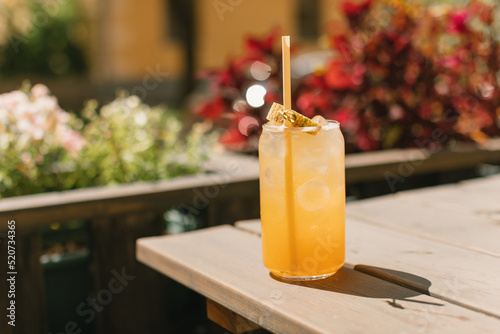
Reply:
x=371, y=282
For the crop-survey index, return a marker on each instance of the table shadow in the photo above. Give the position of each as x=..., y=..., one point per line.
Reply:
x=371, y=282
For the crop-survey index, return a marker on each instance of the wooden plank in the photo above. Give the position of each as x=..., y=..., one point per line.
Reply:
x=490, y=184
x=225, y=264
x=480, y=197
x=235, y=174
x=4, y=287
x=425, y=217
x=455, y=197
x=454, y=274
x=253, y=226
x=123, y=287
x=197, y=191
x=31, y=312
x=486, y=180
x=228, y=319
x=369, y=166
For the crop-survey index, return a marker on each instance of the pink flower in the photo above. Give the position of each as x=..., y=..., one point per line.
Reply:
x=457, y=22
x=39, y=91
x=451, y=62
x=396, y=112
x=70, y=140
x=10, y=100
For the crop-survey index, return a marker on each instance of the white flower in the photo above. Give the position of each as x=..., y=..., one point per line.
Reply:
x=39, y=91
x=70, y=139
x=23, y=125
x=10, y=100
x=4, y=141
x=141, y=118
x=4, y=116
x=37, y=122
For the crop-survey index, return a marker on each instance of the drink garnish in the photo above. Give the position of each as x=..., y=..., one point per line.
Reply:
x=275, y=114
x=289, y=118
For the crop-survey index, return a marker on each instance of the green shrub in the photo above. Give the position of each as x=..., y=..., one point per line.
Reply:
x=43, y=148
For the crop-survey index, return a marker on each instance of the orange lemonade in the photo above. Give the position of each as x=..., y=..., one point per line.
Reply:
x=302, y=196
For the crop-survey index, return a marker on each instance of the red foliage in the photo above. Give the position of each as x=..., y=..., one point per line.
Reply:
x=212, y=109
x=457, y=21
x=355, y=9
x=393, y=83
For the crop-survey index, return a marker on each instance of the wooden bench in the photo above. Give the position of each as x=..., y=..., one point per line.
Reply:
x=419, y=261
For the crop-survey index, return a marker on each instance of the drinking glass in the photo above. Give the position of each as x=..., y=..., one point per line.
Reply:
x=302, y=196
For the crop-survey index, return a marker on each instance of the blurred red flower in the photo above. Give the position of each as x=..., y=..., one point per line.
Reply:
x=212, y=109
x=341, y=76
x=233, y=139
x=457, y=21
x=399, y=72
x=352, y=9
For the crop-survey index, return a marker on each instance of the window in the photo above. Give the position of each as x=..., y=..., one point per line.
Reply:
x=308, y=18
x=180, y=16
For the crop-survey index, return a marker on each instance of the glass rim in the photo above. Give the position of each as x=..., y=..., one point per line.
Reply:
x=332, y=124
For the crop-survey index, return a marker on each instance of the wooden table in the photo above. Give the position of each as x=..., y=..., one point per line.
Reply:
x=422, y=261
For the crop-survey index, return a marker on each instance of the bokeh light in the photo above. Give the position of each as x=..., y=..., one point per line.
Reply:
x=255, y=95
x=246, y=124
x=260, y=71
x=240, y=106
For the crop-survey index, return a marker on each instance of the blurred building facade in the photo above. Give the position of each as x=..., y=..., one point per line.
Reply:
x=130, y=38
x=153, y=48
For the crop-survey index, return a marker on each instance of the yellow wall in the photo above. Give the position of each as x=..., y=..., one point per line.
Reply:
x=131, y=38
x=128, y=36
x=221, y=36
x=221, y=31
x=329, y=12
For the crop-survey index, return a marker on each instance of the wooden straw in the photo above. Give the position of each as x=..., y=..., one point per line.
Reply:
x=289, y=191
x=287, y=86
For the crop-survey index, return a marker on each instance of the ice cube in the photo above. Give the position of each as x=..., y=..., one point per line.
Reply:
x=271, y=144
x=270, y=176
x=320, y=120
x=309, y=164
x=313, y=195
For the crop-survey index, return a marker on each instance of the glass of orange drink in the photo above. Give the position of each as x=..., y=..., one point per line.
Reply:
x=302, y=198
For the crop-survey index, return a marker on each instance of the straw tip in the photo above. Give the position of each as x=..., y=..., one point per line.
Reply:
x=286, y=40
